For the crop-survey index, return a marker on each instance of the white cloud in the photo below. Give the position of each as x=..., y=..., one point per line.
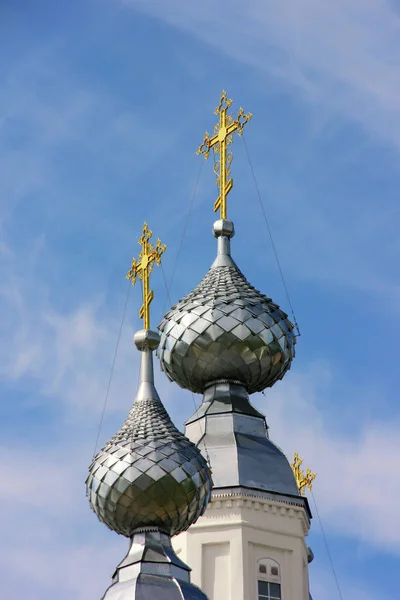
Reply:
x=40, y=109
x=65, y=354
x=68, y=355
x=323, y=586
x=51, y=539
x=65, y=357
x=342, y=59
x=342, y=54
x=357, y=484
x=46, y=110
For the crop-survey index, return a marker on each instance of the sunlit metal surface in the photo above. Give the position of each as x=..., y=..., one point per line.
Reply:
x=235, y=436
x=151, y=571
x=303, y=479
x=143, y=267
x=226, y=329
x=149, y=481
x=220, y=141
x=148, y=474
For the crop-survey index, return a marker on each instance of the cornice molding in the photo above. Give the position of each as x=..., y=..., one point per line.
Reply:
x=231, y=501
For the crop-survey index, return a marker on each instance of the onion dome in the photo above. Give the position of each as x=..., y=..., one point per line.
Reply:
x=149, y=481
x=226, y=330
x=149, y=474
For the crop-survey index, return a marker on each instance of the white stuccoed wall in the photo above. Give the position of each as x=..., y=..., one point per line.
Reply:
x=237, y=530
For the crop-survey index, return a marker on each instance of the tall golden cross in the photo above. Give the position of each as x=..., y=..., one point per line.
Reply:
x=303, y=480
x=222, y=138
x=143, y=267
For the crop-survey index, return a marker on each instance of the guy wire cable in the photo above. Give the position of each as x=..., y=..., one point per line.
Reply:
x=112, y=369
x=194, y=194
x=270, y=237
x=327, y=547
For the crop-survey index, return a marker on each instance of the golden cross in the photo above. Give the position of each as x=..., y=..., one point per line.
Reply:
x=303, y=480
x=222, y=138
x=143, y=267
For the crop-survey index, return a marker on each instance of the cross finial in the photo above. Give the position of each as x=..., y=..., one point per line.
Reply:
x=143, y=267
x=222, y=138
x=303, y=480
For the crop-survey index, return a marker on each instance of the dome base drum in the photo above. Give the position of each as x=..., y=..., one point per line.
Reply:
x=151, y=570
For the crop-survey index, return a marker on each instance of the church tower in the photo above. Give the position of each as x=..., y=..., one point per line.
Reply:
x=226, y=340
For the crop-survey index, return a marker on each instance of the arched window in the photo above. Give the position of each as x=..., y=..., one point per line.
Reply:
x=268, y=580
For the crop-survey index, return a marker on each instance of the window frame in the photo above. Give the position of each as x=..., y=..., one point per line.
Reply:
x=269, y=595
x=268, y=578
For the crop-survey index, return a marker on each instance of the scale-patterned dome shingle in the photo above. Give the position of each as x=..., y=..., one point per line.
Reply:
x=226, y=329
x=149, y=474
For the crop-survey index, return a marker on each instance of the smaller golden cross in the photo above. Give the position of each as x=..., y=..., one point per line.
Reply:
x=143, y=267
x=303, y=480
x=222, y=138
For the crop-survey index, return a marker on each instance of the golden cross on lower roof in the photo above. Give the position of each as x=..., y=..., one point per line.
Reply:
x=303, y=480
x=143, y=267
x=222, y=138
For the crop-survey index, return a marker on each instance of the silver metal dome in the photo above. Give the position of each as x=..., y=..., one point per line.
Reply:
x=148, y=474
x=226, y=330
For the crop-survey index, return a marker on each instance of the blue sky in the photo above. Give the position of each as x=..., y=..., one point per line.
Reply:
x=102, y=106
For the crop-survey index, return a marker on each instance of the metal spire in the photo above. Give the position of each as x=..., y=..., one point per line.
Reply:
x=143, y=267
x=149, y=481
x=227, y=330
x=222, y=138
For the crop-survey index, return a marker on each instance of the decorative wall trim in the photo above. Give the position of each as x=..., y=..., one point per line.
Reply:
x=229, y=500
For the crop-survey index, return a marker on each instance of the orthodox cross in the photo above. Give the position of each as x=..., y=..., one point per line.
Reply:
x=303, y=480
x=143, y=267
x=220, y=141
